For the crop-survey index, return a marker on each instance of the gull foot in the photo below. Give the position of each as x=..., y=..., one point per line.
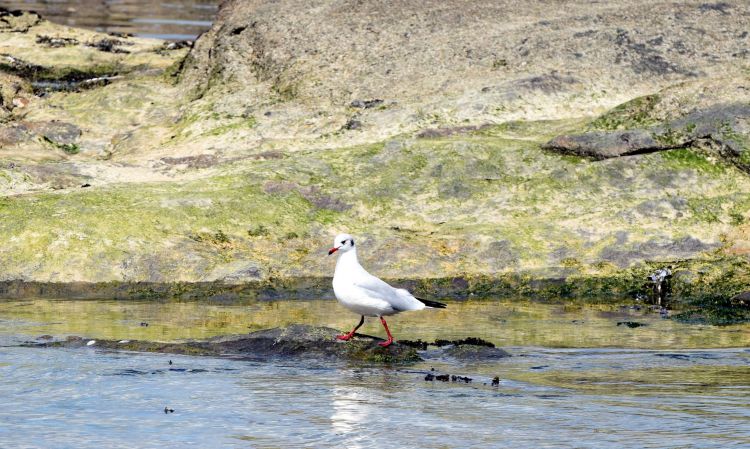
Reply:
x=386, y=343
x=344, y=337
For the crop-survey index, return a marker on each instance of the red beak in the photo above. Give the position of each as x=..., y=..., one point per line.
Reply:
x=332, y=250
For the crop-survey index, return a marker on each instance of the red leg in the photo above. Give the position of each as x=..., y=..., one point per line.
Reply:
x=390, y=337
x=346, y=337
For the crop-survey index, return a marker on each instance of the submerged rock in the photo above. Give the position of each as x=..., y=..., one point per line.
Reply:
x=293, y=341
x=473, y=353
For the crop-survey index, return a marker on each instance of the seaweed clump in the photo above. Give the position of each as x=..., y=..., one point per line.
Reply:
x=716, y=310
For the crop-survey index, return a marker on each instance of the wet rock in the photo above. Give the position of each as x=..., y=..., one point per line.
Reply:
x=464, y=379
x=472, y=341
x=496, y=381
x=309, y=341
x=472, y=353
x=742, y=299
x=168, y=410
x=717, y=309
x=416, y=344
x=630, y=324
x=437, y=377
x=295, y=341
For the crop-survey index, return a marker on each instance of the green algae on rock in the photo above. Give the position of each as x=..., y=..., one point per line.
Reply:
x=226, y=171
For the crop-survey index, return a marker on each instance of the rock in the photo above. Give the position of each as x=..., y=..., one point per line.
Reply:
x=56, y=42
x=742, y=299
x=109, y=45
x=244, y=135
x=352, y=124
x=630, y=324
x=57, y=132
x=444, y=132
x=722, y=126
x=603, y=145
x=473, y=353
x=256, y=50
x=295, y=341
x=366, y=104
x=290, y=342
x=17, y=21
x=13, y=135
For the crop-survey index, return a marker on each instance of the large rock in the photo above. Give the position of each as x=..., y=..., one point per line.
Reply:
x=415, y=126
x=308, y=68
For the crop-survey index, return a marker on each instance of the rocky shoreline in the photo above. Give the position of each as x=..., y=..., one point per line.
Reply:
x=564, y=156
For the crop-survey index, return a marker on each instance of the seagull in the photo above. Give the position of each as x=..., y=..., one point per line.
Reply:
x=367, y=295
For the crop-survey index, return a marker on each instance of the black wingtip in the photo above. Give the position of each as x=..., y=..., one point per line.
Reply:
x=434, y=304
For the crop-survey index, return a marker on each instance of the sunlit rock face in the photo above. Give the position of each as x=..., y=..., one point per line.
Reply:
x=473, y=147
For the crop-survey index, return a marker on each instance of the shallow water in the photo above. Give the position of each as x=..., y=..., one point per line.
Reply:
x=505, y=323
x=614, y=390
x=172, y=20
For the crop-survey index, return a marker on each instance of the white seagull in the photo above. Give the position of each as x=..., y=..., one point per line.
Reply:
x=365, y=294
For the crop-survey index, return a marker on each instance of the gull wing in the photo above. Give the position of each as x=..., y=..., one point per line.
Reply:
x=398, y=298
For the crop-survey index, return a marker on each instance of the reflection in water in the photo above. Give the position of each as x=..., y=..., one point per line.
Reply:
x=505, y=323
x=350, y=418
x=174, y=19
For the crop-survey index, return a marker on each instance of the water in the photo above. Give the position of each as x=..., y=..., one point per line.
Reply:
x=172, y=20
x=644, y=392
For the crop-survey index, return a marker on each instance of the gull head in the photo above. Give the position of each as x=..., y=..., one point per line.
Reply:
x=343, y=243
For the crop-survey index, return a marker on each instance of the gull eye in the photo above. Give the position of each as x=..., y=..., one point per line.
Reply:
x=343, y=242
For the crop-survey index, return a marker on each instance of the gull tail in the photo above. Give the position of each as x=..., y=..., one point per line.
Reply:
x=435, y=304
